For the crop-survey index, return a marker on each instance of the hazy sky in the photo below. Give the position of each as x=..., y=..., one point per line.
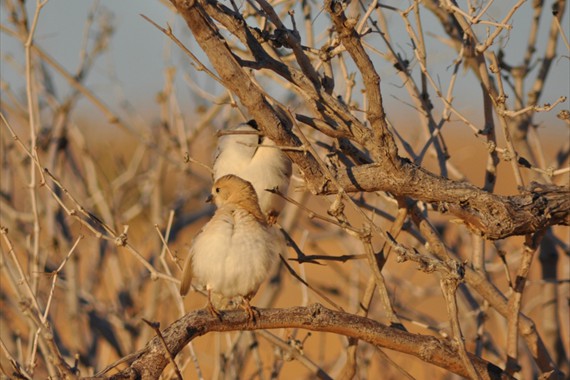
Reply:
x=133, y=68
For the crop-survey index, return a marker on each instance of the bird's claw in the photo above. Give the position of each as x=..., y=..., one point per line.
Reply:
x=250, y=310
x=212, y=310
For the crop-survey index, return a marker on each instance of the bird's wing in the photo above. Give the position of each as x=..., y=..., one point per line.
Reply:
x=213, y=239
x=186, y=276
x=269, y=168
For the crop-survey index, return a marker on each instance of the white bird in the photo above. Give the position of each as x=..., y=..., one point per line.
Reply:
x=232, y=254
x=256, y=160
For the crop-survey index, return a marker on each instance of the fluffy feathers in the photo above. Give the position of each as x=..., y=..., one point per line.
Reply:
x=256, y=160
x=232, y=254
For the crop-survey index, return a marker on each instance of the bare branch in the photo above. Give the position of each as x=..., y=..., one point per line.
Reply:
x=151, y=360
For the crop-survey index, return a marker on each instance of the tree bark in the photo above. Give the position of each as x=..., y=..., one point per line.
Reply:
x=151, y=360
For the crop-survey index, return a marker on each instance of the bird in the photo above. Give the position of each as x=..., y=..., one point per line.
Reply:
x=232, y=254
x=258, y=160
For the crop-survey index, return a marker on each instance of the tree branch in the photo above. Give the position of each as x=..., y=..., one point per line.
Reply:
x=489, y=215
x=151, y=360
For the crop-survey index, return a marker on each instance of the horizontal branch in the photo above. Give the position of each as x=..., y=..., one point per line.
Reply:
x=151, y=361
x=489, y=215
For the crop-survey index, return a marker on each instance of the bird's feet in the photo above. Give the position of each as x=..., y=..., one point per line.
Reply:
x=214, y=312
x=250, y=310
x=211, y=309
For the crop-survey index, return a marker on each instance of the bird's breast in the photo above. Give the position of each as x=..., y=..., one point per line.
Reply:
x=233, y=253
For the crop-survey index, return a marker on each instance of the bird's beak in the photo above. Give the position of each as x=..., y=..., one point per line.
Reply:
x=210, y=199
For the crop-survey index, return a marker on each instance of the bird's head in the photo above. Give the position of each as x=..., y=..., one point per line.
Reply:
x=231, y=189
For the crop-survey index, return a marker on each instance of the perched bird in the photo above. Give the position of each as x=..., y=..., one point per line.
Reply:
x=257, y=160
x=232, y=254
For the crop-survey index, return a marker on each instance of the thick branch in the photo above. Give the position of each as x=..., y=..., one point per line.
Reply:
x=152, y=360
x=492, y=216
x=375, y=112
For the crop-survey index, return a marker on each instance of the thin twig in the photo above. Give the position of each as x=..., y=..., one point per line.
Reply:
x=156, y=327
x=317, y=291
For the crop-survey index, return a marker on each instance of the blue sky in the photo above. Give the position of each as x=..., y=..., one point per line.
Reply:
x=133, y=68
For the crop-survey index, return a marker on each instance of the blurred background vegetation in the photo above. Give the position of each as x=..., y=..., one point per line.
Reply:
x=107, y=136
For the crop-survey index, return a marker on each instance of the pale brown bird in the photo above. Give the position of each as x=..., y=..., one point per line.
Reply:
x=232, y=254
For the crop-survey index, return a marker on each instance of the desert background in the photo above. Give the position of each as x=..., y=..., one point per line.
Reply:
x=108, y=133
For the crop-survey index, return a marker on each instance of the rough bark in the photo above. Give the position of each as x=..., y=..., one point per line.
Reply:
x=151, y=360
